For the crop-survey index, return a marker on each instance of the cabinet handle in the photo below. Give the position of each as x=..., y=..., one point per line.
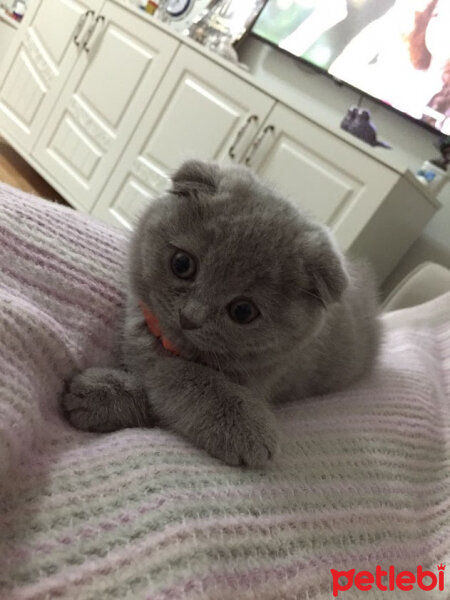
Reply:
x=257, y=143
x=81, y=22
x=91, y=32
x=240, y=133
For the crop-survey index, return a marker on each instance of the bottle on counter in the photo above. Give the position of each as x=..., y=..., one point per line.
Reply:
x=18, y=10
x=150, y=6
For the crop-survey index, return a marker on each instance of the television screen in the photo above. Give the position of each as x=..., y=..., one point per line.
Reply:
x=397, y=51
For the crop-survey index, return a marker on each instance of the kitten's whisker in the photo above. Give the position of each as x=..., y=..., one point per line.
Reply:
x=237, y=361
x=216, y=359
x=314, y=296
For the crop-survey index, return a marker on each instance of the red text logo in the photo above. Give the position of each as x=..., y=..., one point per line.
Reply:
x=388, y=580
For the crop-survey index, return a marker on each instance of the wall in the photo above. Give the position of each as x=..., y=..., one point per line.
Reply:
x=326, y=101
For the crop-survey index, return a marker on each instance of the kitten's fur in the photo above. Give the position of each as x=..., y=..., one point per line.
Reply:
x=317, y=330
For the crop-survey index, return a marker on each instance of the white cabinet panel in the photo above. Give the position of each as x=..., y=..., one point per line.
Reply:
x=194, y=101
x=102, y=103
x=200, y=111
x=38, y=63
x=299, y=172
x=54, y=39
x=119, y=49
x=129, y=203
x=8, y=30
x=324, y=175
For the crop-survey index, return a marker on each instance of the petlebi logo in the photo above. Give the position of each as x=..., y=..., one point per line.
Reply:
x=388, y=580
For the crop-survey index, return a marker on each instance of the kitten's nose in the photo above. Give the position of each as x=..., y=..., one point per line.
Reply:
x=187, y=323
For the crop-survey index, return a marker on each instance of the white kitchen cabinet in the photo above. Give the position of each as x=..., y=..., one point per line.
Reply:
x=102, y=101
x=200, y=111
x=374, y=211
x=39, y=60
x=108, y=104
x=324, y=175
x=358, y=198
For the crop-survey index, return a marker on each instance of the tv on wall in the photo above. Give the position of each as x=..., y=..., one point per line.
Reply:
x=397, y=51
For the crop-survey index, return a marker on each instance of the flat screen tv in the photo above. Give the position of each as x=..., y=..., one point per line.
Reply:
x=397, y=51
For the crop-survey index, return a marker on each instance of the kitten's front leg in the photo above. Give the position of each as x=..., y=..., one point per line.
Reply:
x=104, y=399
x=214, y=413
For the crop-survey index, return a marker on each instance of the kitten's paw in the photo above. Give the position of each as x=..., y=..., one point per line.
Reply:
x=104, y=400
x=251, y=440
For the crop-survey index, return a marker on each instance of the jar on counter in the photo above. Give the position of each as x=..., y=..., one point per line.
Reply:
x=432, y=176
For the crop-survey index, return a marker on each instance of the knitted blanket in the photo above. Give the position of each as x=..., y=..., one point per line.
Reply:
x=362, y=479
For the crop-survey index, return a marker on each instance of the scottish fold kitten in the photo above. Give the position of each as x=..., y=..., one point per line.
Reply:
x=236, y=301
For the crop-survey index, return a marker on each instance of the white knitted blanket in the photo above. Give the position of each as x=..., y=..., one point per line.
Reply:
x=363, y=478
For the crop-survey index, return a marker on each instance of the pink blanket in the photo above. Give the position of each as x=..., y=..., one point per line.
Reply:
x=363, y=478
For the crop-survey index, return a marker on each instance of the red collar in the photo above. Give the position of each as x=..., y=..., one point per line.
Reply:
x=153, y=326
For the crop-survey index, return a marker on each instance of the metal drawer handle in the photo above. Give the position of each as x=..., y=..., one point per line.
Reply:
x=81, y=22
x=257, y=143
x=240, y=133
x=91, y=32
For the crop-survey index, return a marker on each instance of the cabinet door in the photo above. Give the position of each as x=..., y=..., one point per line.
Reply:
x=329, y=178
x=102, y=102
x=40, y=59
x=201, y=110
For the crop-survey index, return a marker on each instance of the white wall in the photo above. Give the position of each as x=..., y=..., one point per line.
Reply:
x=324, y=100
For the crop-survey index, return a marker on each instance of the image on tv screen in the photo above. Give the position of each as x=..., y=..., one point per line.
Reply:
x=397, y=51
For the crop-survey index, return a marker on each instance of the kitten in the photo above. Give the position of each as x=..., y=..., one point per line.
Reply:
x=236, y=300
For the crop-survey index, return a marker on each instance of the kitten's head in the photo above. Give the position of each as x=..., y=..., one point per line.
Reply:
x=234, y=274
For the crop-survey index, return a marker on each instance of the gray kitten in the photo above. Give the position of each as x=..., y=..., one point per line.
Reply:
x=236, y=300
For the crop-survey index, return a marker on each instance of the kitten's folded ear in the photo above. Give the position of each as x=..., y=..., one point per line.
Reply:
x=195, y=175
x=326, y=269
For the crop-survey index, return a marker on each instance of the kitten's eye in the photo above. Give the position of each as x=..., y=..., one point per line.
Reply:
x=242, y=311
x=183, y=265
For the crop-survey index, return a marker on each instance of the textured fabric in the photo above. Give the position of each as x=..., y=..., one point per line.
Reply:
x=363, y=477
